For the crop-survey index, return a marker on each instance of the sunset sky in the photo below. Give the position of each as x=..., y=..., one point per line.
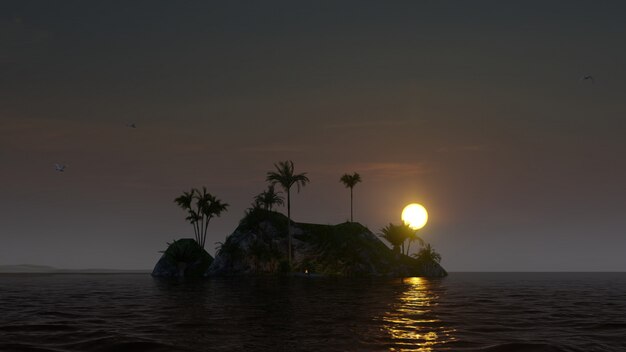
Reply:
x=475, y=109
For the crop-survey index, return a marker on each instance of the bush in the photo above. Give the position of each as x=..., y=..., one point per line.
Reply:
x=284, y=267
x=188, y=253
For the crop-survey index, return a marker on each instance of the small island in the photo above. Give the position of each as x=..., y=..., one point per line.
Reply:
x=267, y=242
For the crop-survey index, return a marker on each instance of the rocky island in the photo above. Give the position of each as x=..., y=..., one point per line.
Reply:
x=258, y=246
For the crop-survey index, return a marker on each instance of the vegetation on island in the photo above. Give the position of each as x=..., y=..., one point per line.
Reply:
x=268, y=198
x=397, y=235
x=427, y=254
x=286, y=178
x=201, y=207
x=267, y=241
x=350, y=181
x=183, y=258
x=257, y=247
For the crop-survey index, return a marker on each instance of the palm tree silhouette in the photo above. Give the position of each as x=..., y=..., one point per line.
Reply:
x=201, y=208
x=395, y=235
x=185, y=201
x=350, y=181
x=412, y=236
x=428, y=254
x=269, y=198
x=286, y=178
x=209, y=207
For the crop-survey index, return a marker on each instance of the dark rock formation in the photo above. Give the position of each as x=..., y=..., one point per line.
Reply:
x=183, y=258
x=259, y=246
x=431, y=269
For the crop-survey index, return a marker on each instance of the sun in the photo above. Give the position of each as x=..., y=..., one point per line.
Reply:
x=415, y=215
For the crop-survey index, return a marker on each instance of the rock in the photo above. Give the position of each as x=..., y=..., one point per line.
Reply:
x=259, y=246
x=183, y=258
x=431, y=269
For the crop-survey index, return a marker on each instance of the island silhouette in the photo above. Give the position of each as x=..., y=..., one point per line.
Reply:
x=267, y=242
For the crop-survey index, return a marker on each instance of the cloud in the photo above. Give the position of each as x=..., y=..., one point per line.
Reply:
x=386, y=170
x=372, y=124
x=464, y=148
x=32, y=134
x=276, y=148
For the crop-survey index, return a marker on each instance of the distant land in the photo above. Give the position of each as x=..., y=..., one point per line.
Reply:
x=45, y=269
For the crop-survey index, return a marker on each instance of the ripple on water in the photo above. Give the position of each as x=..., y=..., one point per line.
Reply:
x=464, y=312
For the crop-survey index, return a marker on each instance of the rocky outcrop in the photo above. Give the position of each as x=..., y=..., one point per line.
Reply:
x=183, y=258
x=259, y=246
x=431, y=269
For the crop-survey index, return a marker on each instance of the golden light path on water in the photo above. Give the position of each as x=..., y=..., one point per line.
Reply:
x=412, y=323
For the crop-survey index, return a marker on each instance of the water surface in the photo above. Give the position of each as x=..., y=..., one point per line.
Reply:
x=463, y=312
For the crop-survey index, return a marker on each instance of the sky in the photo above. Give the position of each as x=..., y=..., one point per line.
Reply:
x=474, y=109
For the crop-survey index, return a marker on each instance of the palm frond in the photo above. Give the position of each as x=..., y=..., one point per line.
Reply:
x=284, y=176
x=350, y=180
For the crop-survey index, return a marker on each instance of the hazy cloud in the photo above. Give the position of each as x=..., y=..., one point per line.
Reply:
x=387, y=170
x=373, y=124
x=463, y=148
x=275, y=148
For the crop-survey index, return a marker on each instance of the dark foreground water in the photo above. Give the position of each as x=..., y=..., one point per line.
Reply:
x=464, y=312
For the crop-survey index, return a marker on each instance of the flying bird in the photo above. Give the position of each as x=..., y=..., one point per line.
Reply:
x=588, y=77
x=59, y=167
x=131, y=125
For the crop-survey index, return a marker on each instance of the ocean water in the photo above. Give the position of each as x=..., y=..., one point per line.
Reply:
x=463, y=312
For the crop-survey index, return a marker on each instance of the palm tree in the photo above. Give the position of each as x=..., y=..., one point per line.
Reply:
x=184, y=201
x=395, y=235
x=350, y=181
x=412, y=236
x=428, y=254
x=209, y=207
x=201, y=208
x=269, y=198
x=286, y=178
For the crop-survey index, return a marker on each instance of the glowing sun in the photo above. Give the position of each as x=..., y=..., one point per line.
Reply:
x=415, y=216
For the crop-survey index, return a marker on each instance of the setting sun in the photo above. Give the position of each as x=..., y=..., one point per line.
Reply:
x=415, y=216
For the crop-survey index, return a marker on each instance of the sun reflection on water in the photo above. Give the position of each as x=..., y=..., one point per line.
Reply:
x=412, y=322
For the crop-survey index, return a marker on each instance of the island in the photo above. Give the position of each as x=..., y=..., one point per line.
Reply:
x=258, y=246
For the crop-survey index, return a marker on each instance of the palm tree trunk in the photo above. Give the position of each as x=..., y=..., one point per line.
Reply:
x=206, y=226
x=408, y=246
x=200, y=228
x=289, y=225
x=196, y=231
x=351, y=220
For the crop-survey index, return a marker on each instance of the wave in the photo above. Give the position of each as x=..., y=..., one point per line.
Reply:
x=22, y=347
x=38, y=327
x=137, y=313
x=110, y=345
x=523, y=347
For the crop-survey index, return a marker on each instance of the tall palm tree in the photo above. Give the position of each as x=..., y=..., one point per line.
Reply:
x=350, y=181
x=269, y=198
x=185, y=201
x=209, y=207
x=412, y=236
x=201, y=208
x=285, y=177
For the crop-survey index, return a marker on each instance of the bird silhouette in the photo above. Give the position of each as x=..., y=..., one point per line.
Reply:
x=59, y=167
x=131, y=125
x=587, y=77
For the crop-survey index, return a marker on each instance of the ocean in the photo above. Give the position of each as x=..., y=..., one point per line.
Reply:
x=463, y=312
